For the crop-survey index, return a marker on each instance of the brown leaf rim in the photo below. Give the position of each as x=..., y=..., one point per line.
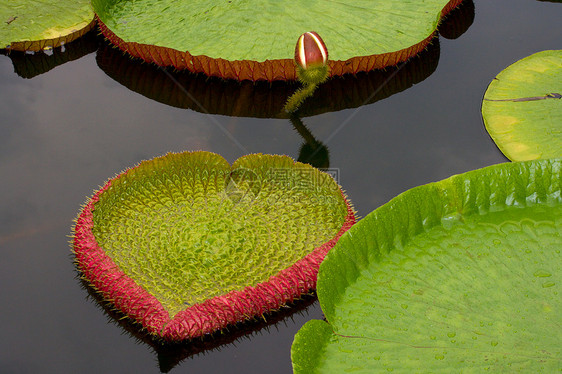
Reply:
x=269, y=70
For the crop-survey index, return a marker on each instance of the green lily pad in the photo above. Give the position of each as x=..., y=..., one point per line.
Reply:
x=186, y=244
x=522, y=108
x=256, y=39
x=462, y=275
x=33, y=25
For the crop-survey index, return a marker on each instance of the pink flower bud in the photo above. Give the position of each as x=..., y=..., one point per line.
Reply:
x=311, y=50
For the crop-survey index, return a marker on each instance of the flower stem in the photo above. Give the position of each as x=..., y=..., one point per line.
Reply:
x=296, y=99
x=310, y=78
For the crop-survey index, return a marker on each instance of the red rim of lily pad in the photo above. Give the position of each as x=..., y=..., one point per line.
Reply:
x=269, y=70
x=200, y=319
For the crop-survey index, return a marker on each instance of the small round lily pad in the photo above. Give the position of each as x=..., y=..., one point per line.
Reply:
x=33, y=25
x=522, y=107
x=461, y=275
x=186, y=244
x=256, y=40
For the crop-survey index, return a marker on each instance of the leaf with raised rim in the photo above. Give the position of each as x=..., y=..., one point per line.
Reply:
x=186, y=244
x=255, y=39
x=454, y=276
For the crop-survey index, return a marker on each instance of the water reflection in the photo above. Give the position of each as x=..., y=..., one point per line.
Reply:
x=29, y=65
x=169, y=355
x=458, y=21
x=261, y=99
x=312, y=151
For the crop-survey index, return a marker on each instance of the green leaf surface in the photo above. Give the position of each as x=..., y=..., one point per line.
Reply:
x=522, y=107
x=259, y=30
x=189, y=227
x=35, y=20
x=462, y=275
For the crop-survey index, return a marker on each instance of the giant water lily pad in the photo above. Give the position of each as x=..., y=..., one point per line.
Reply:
x=522, y=107
x=256, y=39
x=186, y=244
x=33, y=25
x=462, y=275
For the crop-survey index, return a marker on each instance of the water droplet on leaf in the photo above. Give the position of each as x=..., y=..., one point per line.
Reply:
x=541, y=273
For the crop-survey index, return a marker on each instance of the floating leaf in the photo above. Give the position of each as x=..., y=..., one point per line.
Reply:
x=522, y=107
x=33, y=25
x=460, y=275
x=255, y=40
x=185, y=244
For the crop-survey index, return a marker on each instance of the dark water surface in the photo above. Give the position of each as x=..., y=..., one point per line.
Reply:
x=65, y=131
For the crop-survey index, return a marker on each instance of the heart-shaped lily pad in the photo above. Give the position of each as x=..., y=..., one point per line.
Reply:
x=186, y=244
x=522, y=107
x=462, y=275
x=256, y=40
x=33, y=25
